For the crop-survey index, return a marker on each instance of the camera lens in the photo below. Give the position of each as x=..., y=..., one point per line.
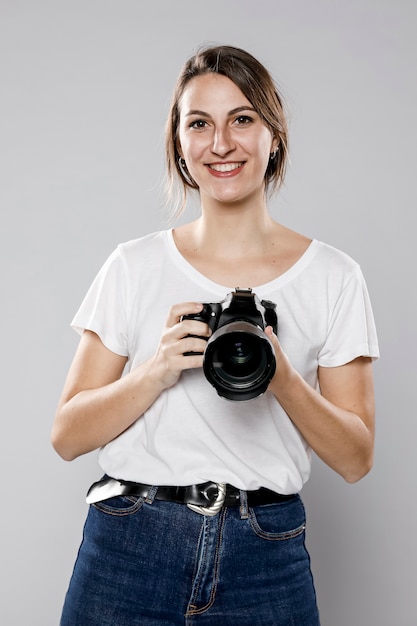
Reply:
x=240, y=353
x=238, y=358
x=239, y=361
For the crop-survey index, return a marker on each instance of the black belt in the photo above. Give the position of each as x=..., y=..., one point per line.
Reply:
x=206, y=498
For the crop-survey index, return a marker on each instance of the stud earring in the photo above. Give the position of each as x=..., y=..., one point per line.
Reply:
x=273, y=154
x=185, y=174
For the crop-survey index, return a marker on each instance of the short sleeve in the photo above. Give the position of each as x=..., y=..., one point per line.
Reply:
x=351, y=328
x=104, y=307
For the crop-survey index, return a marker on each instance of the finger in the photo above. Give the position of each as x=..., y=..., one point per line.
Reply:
x=172, y=348
x=279, y=352
x=184, y=354
x=192, y=361
x=269, y=332
x=192, y=345
x=187, y=330
x=194, y=327
x=184, y=308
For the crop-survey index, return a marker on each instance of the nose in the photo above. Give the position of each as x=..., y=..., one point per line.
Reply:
x=223, y=142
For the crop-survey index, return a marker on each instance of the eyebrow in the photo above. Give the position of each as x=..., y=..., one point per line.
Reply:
x=230, y=113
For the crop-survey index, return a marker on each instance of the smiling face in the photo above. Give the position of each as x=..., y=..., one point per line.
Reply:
x=225, y=143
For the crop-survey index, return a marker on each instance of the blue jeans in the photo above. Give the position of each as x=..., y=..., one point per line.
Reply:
x=153, y=563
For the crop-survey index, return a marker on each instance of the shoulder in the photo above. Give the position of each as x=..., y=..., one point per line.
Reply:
x=332, y=257
x=147, y=243
x=322, y=268
x=317, y=251
x=318, y=258
x=331, y=269
x=131, y=258
x=143, y=248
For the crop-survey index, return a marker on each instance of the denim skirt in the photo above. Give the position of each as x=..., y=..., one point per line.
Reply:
x=155, y=563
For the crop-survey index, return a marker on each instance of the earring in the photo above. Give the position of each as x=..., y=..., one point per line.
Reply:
x=273, y=154
x=183, y=167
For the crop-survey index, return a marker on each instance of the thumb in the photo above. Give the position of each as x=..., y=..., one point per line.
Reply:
x=270, y=333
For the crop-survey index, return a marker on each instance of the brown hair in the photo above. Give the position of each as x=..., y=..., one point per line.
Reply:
x=256, y=83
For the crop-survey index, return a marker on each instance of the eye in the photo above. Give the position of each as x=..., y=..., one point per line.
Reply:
x=243, y=120
x=198, y=124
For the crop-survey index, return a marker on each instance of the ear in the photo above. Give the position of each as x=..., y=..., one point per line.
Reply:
x=274, y=144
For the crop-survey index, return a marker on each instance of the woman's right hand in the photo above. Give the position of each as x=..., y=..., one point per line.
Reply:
x=98, y=403
x=182, y=344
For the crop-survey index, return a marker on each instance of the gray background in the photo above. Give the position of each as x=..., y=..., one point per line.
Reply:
x=85, y=91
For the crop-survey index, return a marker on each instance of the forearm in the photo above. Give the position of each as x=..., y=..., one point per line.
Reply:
x=93, y=417
x=338, y=436
x=98, y=403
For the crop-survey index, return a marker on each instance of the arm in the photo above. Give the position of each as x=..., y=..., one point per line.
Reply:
x=337, y=423
x=98, y=404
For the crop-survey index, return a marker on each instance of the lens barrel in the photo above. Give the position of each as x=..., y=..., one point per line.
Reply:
x=239, y=361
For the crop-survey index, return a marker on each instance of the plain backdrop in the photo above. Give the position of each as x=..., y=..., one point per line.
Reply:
x=85, y=89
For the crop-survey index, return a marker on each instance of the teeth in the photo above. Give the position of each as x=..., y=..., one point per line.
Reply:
x=225, y=167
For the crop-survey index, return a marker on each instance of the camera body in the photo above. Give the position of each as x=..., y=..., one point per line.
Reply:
x=239, y=360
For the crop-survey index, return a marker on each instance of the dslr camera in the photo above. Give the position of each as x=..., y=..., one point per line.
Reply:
x=239, y=360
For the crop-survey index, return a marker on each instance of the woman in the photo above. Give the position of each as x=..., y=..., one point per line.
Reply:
x=198, y=518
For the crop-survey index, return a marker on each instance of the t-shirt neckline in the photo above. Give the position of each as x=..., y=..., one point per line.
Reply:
x=187, y=268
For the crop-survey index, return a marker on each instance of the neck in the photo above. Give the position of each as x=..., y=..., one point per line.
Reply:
x=229, y=231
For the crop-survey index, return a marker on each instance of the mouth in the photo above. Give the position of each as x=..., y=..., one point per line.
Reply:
x=225, y=167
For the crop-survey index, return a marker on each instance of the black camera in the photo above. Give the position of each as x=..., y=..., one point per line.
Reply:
x=239, y=360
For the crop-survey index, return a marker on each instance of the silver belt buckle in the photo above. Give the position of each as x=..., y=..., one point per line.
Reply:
x=213, y=508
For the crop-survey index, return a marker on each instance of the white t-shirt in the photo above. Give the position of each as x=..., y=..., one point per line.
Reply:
x=191, y=435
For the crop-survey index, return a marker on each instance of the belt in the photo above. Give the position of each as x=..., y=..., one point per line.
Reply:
x=206, y=498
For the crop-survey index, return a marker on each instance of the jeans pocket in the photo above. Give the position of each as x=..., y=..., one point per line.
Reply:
x=119, y=505
x=278, y=522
